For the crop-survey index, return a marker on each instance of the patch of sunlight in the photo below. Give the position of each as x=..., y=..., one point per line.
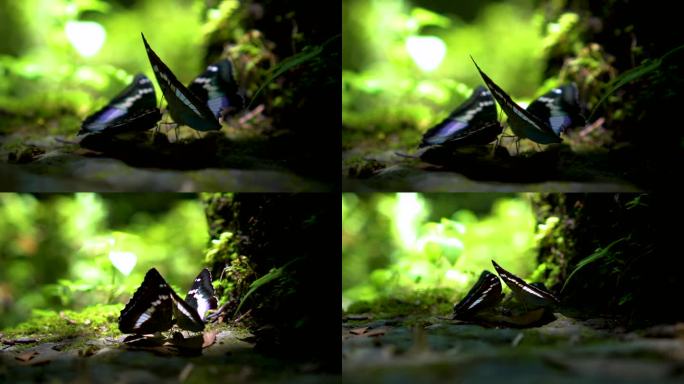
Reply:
x=87, y=37
x=457, y=276
x=409, y=211
x=123, y=261
x=427, y=52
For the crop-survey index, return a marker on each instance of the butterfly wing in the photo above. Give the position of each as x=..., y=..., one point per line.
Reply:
x=523, y=123
x=201, y=294
x=150, y=308
x=216, y=87
x=484, y=294
x=559, y=107
x=186, y=316
x=134, y=108
x=531, y=295
x=184, y=107
x=473, y=122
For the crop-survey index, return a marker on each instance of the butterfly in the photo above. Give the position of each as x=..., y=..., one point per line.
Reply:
x=155, y=304
x=184, y=106
x=133, y=109
x=217, y=88
x=484, y=294
x=473, y=122
x=532, y=295
x=544, y=120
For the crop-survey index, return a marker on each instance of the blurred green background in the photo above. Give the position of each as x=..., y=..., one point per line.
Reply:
x=406, y=64
x=65, y=58
x=411, y=247
x=73, y=251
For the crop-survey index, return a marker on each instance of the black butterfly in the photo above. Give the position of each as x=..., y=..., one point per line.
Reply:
x=185, y=108
x=484, y=294
x=155, y=304
x=134, y=109
x=216, y=87
x=473, y=122
x=532, y=295
x=545, y=118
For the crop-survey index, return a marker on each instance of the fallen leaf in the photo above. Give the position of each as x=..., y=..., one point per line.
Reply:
x=376, y=332
x=209, y=338
x=26, y=356
x=358, y=331
x=185, y=372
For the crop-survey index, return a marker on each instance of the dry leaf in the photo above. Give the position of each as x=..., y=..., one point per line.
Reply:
x=209, y=338
x=185, y=372
x=376, y=332
x=358, y=331
x=26, y=356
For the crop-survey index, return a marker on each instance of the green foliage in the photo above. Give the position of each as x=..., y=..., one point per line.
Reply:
x=66, y=251
x=386, y=90
x=308, y=54
x=388, y=247
x=604, y=255
x=273, y=274
x=46, y=75
x=638, y=72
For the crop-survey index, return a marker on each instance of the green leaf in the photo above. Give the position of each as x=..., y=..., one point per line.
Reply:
x=598, y=255
x=291, y=62
x=633, y=74
x=273, y=274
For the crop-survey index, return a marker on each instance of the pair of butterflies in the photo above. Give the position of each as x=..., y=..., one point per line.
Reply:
x=155, y=305
x=207, y=98
x=486, y=293
x=475, y=121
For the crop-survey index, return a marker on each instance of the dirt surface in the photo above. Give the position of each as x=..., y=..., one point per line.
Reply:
x=148, y=162
x=230, y=357
x=436, y=350
x=483, y=168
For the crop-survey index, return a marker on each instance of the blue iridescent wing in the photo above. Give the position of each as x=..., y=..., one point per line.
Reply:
x=473, y=122
x=185, y=108
x=523, y=123
x=559, y=108
x=216, y=87
x=133, y=109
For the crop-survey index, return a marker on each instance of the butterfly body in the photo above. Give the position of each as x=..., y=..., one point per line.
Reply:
x=155, y=305
x=473, y=122
x=217, y=88
x=184, y=107
x=544, y=120
x=133, y=109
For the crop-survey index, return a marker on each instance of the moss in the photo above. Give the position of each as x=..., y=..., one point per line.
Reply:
x=51, y=326
x=431, y=301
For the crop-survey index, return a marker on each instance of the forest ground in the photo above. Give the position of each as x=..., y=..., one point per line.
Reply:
x=230, y=358
x=223, y=161
x=429, y=349
x=569, y=167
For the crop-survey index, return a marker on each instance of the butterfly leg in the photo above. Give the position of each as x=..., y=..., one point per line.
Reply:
x=539, y=147
x=496, y=144
x=517, y=146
